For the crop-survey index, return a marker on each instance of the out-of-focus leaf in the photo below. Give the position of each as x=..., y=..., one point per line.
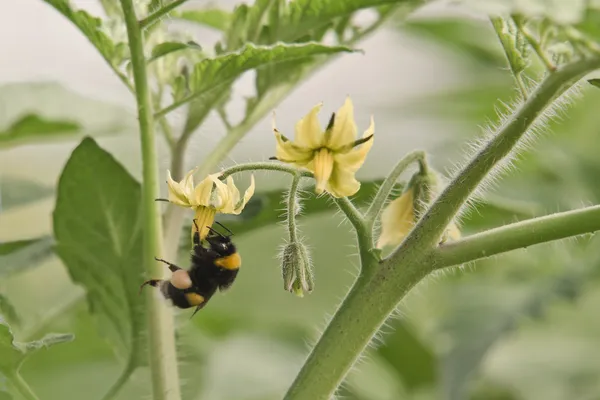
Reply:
x=165, y=48
x=14, y=353
x=594, y=82
x=53, y=102
x=7, y=310
x=20, y=255
x=467, y=37
x=97, y=225
x=34, y=127
x=91, y=27
x=412, y=361
x=571, y=11
x=211, y=73
x=18, y=192
x=5, y=396
x=213, y=17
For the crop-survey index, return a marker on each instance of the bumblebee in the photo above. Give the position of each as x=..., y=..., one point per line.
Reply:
x=213, y=267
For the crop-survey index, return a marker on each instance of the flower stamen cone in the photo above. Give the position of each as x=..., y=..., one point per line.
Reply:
x=333, y=155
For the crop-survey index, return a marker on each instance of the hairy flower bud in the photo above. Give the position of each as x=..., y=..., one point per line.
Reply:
x=296, y=269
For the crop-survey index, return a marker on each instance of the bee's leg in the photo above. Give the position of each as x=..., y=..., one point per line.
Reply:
x=172, y=267
x=196, y=238
x=151, y=282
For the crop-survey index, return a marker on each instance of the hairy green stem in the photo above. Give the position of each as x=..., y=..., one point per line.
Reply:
x=375, y=296
x=162, y=354
x=429, y=228
x=292, y=209
x=388, y=184
x=518, y=235
x=158, y=14
x=17, y=381
x=265, y=166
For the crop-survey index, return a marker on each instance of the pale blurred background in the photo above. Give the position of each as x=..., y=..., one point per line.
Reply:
x=522, y=326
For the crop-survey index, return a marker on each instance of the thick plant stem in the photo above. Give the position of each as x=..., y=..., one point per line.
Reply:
x=163, y=359
x=21, y=386
x=429, y=228
x=518, y=235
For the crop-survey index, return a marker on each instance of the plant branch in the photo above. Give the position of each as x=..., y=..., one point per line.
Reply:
x=535, y=45
x=21, y=386
x=265, y=166
x=161, y=347
x=376, y=295
x=292, y=208
x=518, y=235
x=429, y=228
x=156, y=15
x=388, y=184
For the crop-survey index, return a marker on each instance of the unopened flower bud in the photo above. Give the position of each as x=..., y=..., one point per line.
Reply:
x=401, y=214
x=296, y=269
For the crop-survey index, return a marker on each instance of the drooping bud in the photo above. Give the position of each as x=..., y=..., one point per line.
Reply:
x=296, y=269
x=400, y=215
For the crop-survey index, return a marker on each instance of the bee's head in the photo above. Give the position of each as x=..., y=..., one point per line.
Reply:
x=220, y=244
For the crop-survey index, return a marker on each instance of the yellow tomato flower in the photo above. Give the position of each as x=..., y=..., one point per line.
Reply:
x=208, y=197
x=332, y=155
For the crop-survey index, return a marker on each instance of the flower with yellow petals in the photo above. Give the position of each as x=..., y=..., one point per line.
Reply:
x=207, y=198
x=332, y=155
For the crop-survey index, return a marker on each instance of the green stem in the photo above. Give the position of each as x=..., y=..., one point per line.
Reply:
x=535, y=45
x=21, y=386
x=429, y=228
x=388, y=184
x=156, y=15
x=291, y=209
x=518, y=235
x=122, y=380
x=161, y=347
x=265, y=166
x=509, y=50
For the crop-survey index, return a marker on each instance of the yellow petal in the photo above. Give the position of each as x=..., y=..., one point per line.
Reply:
x=247, y=195
x=234, y=193
x=205, y=217
x=397, y=219
x=344, y=128
x=220, y=200
x=355, y=158
x=308, y=130
x=323, y=167
x=289, y=152
x=178, y=191
x=342, y=183
x=202, y=193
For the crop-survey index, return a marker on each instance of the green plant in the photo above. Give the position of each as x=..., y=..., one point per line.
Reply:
x=108, y=228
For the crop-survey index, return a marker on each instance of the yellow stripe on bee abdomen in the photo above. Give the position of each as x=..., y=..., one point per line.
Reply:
x=194, y=299
x=233, y=261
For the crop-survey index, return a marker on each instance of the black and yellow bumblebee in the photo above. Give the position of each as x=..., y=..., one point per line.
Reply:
x=213, y=267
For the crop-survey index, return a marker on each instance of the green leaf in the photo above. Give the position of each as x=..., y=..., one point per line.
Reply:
x=53, y=103
x=213, y=17
x=303, y=17
x=594, y=82
x=32, y=126
x=212, y=73
x=20, y=255
x=165, y=48
x=97, y=225
x=5, y=396
x=7, y=310
x=15, y=353
x=18, y=192
x=91, y=27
